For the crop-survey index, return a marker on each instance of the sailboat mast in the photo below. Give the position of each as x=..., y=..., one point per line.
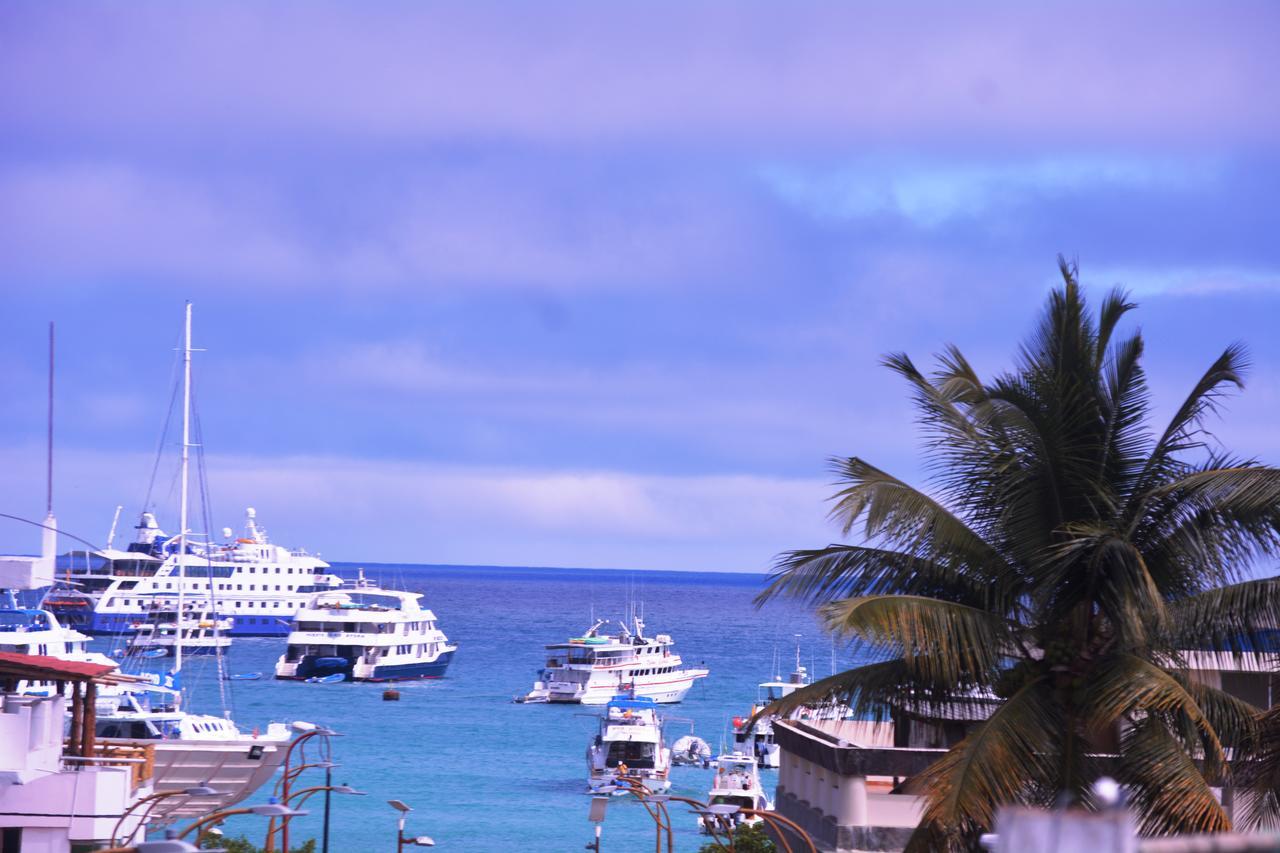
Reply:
x=182, y=516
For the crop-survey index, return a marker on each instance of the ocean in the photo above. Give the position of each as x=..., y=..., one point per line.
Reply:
x=485, y=775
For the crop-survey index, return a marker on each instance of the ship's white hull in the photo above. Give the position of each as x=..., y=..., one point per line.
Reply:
x=227, y=766
x=602, y=687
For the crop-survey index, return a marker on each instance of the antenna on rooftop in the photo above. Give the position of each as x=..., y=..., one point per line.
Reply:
x=49, y=540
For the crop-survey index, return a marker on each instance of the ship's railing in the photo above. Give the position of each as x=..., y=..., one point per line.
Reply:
x=140, y=759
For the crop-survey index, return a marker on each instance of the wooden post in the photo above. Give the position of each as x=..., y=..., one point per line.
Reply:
x=77, y=721
x=90, y=718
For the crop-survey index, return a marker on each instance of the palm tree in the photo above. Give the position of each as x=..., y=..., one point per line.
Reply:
x=1062, y=560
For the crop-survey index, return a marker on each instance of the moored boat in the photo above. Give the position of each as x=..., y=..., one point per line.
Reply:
x=737, y=783
x=599, y=666
x=629, y=743
x=365, y=633
x=201, y=634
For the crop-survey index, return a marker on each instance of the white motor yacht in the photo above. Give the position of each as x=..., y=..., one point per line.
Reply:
x=201, y=634
x=365, y=634
x=629, y=743
x=599, y=666
x=737, y=783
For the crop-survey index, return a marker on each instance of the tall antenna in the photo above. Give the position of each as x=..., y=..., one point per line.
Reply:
x=49, y=538
x=49, y=478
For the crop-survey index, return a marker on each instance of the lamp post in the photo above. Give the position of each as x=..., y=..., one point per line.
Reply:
x=152, y=800
x=599, y=802
x=270, y=809
x=778, y=823
x=302, y=796
x=309, y=731
x=401, y=840
x=169, y=844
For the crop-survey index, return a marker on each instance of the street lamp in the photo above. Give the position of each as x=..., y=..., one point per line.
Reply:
x=272, y=809
x=304, y=794
x=401, y=840
x=152, y=800
x=171, y=843
x=599, y=801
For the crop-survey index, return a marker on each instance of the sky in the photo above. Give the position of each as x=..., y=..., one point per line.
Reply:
x=586, y=284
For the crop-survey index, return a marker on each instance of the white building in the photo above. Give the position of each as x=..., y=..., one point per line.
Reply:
x=61, y=796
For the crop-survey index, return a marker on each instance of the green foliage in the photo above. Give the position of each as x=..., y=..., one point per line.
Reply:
x=746, y=839
x=1063, y=558
x=241, y=844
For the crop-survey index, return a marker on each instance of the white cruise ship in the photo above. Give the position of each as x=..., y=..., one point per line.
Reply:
x=596, y=667
x=366, y=634
x=201, y=634
x=259, y=585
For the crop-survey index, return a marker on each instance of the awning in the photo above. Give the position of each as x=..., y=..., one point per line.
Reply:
x=46, y=668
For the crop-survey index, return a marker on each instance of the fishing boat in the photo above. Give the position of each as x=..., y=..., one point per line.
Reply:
x=737, y=783
x=202, y=634
x=599, y=666
x=257, y=584
x=629, y=743
x=365, y=633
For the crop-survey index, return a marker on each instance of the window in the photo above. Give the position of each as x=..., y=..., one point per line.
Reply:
x=251, y=570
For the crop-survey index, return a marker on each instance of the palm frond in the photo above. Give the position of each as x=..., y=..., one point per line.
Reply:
x=1260, y=776
x=847, y=571
x=1002, y=761
x=942, y=640
x=1171, y=794
x=1125, y=684
x=1236, y=619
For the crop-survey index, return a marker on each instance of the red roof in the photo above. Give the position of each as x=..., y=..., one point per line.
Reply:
x=46, y=668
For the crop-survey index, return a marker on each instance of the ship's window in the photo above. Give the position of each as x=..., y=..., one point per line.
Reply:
x=290, y=570
x=168, y=586
x=239, y=586
x=277, y=587
x=251, y=587
x=251, y=570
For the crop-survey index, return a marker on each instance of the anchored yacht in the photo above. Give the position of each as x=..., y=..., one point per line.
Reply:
x=200, y=634
x=598, y=666
x=367, y=634
x=630, y=744
x=737, y=783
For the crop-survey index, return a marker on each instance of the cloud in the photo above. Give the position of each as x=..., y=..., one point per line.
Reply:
x=581, y=73
x=355, y=509
x=419, y=225
x=1188, y=281
x=929, y=195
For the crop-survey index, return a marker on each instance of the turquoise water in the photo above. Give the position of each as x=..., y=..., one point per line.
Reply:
x=486, y=775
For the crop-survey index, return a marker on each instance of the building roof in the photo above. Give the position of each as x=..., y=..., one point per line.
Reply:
x=46, y=668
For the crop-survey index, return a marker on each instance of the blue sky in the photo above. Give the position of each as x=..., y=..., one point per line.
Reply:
x=596, y=285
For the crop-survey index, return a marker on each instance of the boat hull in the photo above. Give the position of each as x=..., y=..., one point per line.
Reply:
x=236, y=768
x=92, y=622
x=313, y=668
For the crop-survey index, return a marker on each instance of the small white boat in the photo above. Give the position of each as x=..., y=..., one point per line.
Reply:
x=630, y=744
x=363, y=633
x=737, y=783
x=202, y=634
x=599, y=666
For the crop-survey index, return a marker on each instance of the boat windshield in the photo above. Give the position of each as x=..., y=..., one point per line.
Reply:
x=637, y=755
